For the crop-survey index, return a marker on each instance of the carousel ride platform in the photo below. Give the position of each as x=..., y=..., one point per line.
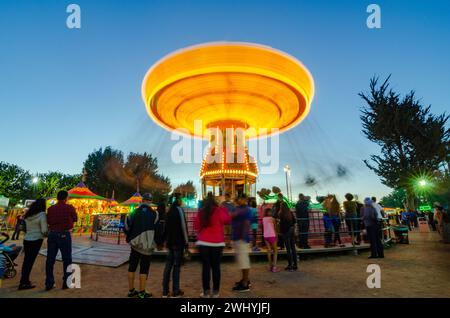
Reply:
x=85, y=251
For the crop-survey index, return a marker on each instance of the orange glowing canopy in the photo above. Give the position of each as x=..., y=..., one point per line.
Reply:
x=228, y=85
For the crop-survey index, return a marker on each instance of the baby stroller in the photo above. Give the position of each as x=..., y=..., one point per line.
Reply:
x=7, y=255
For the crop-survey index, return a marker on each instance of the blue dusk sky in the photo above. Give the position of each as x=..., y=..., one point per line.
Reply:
x=65, y=92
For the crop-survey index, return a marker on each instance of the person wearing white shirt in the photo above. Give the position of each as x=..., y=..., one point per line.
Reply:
x=378, y=208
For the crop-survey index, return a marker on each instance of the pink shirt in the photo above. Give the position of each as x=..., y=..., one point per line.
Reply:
x=213, y=234
x=268, y=227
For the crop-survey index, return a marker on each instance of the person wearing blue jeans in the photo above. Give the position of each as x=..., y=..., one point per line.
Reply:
x=177, y=239
x=58, y=241
x=60, y=219
x=173, y=265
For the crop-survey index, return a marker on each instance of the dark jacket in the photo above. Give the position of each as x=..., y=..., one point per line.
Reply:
x=276, y=209
x=140, y=229
x=286, y=223
x=174, y=236
x=302, y=210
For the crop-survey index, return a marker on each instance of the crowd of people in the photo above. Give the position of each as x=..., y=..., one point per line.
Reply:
x=146, y=228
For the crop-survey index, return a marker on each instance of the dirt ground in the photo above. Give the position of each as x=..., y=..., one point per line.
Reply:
x=420, y=269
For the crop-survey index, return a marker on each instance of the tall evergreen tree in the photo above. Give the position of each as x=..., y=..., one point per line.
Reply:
x=413, y=141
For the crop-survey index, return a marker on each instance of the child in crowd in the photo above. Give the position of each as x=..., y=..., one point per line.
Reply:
x=329, y=229
x=270, y=237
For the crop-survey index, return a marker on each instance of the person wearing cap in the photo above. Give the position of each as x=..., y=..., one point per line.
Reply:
x=140, y=229
x=369, y=217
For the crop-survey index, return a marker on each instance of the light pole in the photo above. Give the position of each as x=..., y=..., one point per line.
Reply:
x=35, y=181
x=287, y=171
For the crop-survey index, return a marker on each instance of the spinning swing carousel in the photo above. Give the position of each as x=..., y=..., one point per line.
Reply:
x=222, y=86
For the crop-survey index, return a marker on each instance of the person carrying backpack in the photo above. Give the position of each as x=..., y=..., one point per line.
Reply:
x=140, y=229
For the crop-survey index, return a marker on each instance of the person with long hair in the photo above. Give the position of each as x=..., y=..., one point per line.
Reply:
x=176, y=238
x=334, y=211
x=351, y=218
x=287, y=229
x=209, y=224
x=36, y=230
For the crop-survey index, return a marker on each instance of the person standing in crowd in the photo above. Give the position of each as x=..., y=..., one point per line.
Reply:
x=302, y=213
x=240, y=228
x=406, y=220
x=270, y=238
x=360, y=224
x=351, y=218
x=176, y=238
x=329, y=229
x=334, y=211
x=209, y=224
x=431, y=223
x=276, y=214
x=370, y=218
x=60, y=220
x=229, y=205
x=19, y=227
x=287, y=229
x=160, y=230
x=415, y=219
x=37, y=228
x=254, y=224
x=378, y=208
x=443, y=222
x=140, y=229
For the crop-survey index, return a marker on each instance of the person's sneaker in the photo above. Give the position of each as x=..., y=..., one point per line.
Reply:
x=241, y=287
x=275, y=269
x=177, y=294
x=240, y=282
x=294, y=268
x=255, y=249
x=133, y=293
x=204, y=294
x=26, y=286
x=48, y=288
x=144, y=294
x=215, y=294
x=288, y=268
x=165, y=295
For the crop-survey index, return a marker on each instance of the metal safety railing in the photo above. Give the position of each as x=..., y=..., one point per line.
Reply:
x=345, y=230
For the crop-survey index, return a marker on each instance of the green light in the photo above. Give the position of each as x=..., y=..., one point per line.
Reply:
x=423, y=183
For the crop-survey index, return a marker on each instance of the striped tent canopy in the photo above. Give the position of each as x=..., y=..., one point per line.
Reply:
x=81, y=191
x=136, y=199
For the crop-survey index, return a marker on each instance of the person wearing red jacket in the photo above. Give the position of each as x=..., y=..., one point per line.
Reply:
x=209, y=224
